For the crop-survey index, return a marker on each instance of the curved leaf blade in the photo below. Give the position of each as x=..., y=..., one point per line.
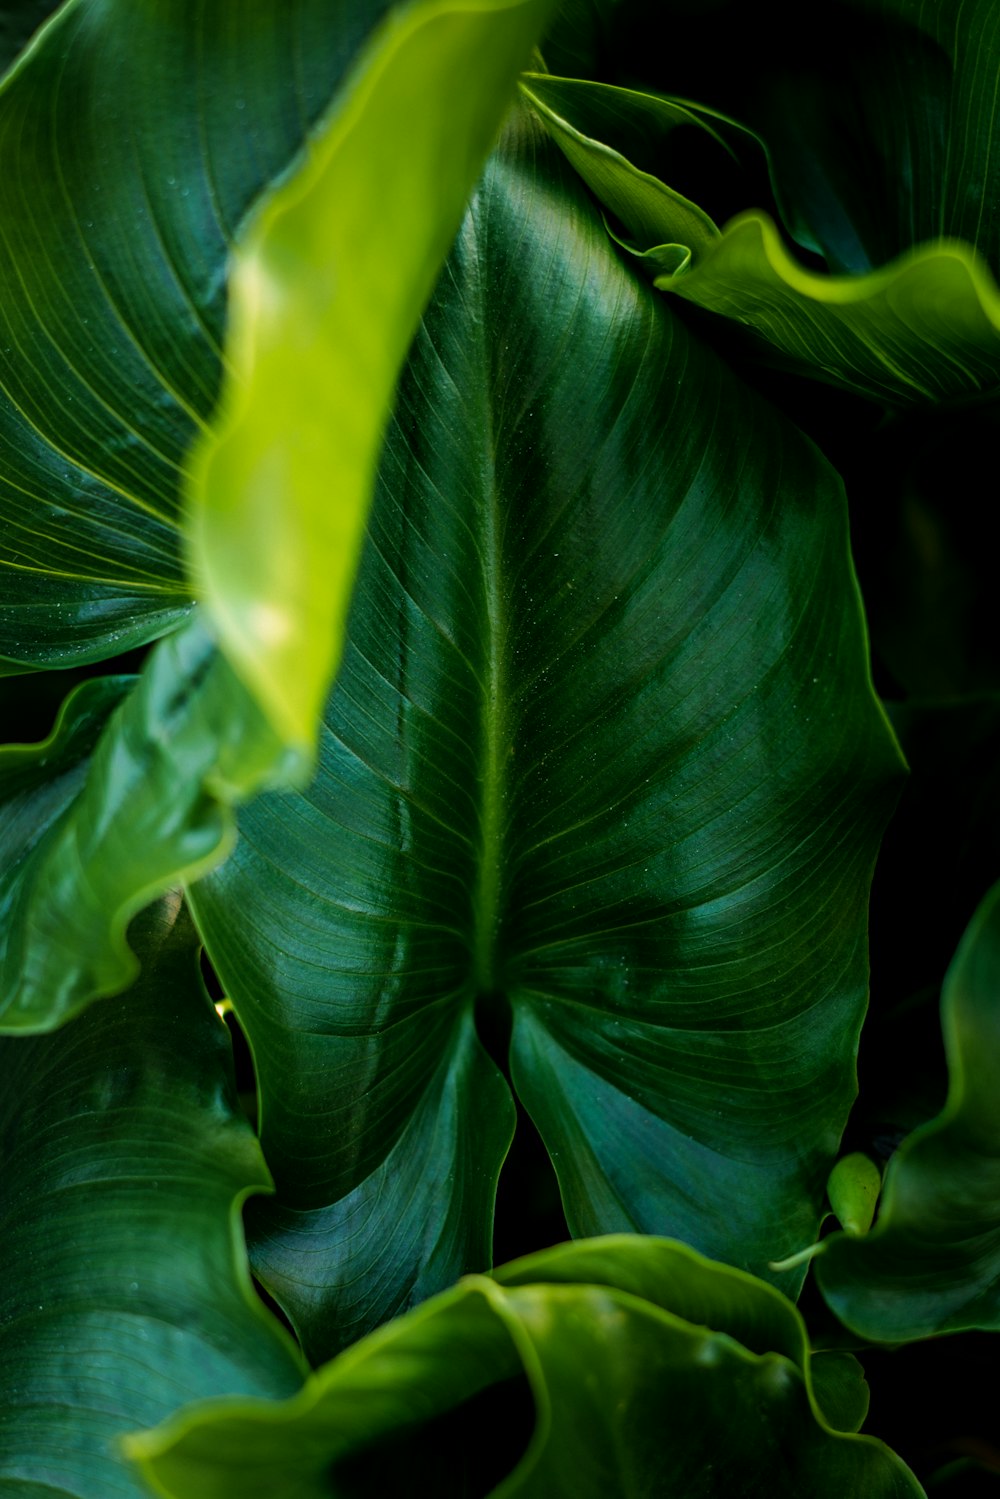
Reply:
x=931, y=1264
x=327, y=291
x=132, y=143
x=415, y=1223
x=124, y=1290
x=638, y=198
x=131, y=795
x=924, y=328
x=19, y=20
x=885, y=139
x=157, y=806
x=599, y=745
x=630, y=1397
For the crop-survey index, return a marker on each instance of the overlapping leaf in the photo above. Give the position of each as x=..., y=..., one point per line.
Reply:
x=931, y=1264
x=132, y=142
x=925, y=328
x=124, y=1291
x=652, y=1371
x=130, y=795
x=327, y=291
x=603, y=743
x=155, y=808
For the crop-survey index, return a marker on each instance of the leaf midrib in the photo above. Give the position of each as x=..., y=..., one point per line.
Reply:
x=487, y=896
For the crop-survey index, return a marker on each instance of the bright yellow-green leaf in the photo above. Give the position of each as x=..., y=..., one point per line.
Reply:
x=326, y=291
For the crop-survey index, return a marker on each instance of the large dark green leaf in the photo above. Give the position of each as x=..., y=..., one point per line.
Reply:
x=924, y=328
x=124, y=1290
x=604, y=749
x=931, y=1264
x=653, y=1372
x=132, y=142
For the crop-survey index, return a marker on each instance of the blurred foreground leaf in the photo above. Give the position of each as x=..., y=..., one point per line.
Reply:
x=327, y=288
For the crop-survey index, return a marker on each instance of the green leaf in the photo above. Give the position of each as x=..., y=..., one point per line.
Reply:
x=931, y=1264
x=885, y=138
x=603, y=749
x=327, y=290
x=19, y=19
x=129, y=796
x=924, y=328
x=637, y=197
x=840, y=1389
x=124, y=1291
x=580, y=35
x=631, y=1396
x=132, y=143
x=853, y=1189
x=156, y=806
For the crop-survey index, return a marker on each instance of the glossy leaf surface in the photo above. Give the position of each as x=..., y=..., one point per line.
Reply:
x=931, y=1264
x=925, y=328
x=124, y=1290
x=326, y=293
x=113, y=810
x=631, y=1398
x=132, y=143
x=600, y=745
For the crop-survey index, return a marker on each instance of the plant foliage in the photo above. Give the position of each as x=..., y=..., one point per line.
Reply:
x=433, y=436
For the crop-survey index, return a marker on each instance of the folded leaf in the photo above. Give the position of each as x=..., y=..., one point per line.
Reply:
x=132, y=143
x=124, y=1291
x=130, y=795
x=631, y=120
x=327, y=290
x=924, y=328
x=631, y=1397
x=603, y=743
x=931, y=1264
